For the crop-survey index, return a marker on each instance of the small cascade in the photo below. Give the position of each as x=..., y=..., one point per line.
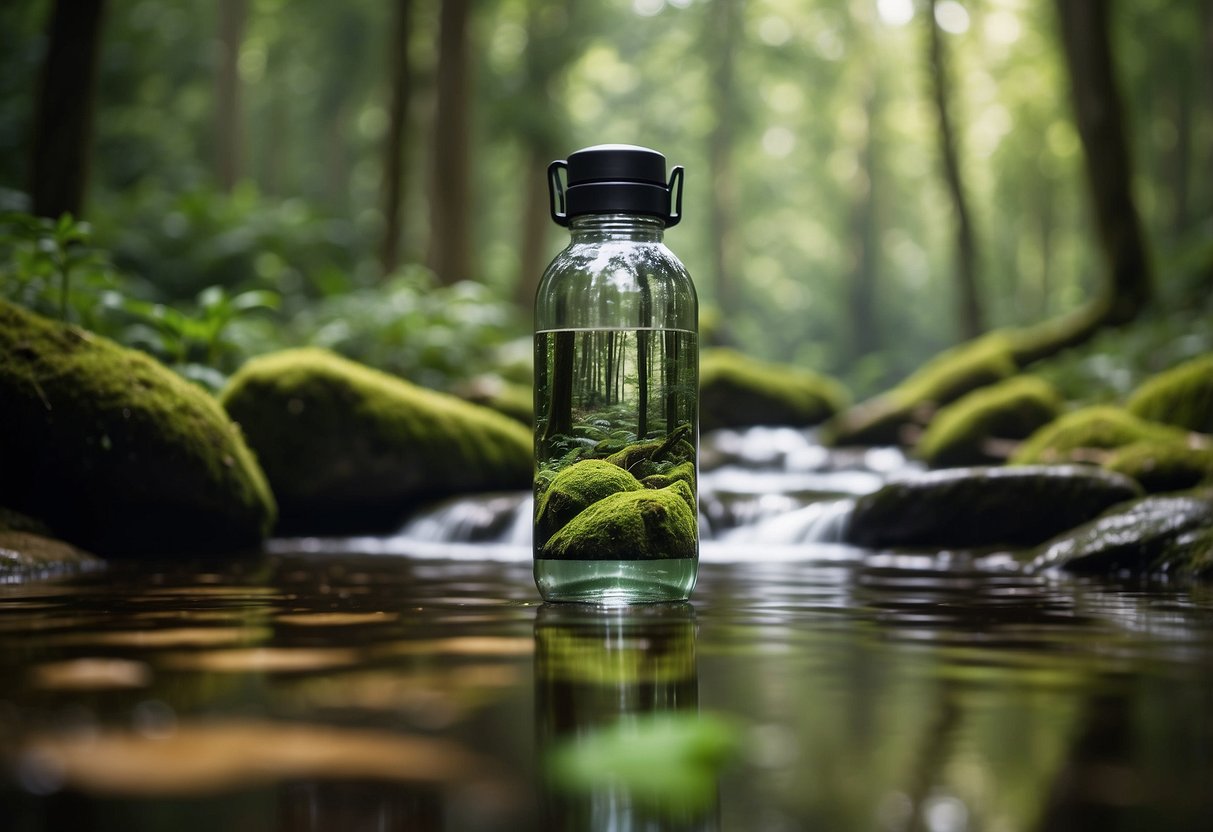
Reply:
x=824, y=521
x=481, y=518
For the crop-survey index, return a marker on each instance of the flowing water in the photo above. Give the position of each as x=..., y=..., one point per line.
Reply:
x=403, y=683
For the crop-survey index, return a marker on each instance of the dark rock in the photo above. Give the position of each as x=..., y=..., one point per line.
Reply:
x=25, y=555
x=1163, y=466
x=1155, y=535
x=975, y=507
x=736, y=390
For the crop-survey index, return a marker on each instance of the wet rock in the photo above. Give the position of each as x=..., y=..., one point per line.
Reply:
x=1163, y=466
x=1156, y=535
x=975, y=507
x=347, y=447
x=962, y=432
x=885, y=419
x=738, y=391
x=574, y=489
x=117, y=453
x=1182, y=396
x=631, y=525
x=1081, y=435
x=25, y=554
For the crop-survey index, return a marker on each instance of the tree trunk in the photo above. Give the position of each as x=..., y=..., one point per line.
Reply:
x=535, y=220
x=228, y=121
x=864, y=228
x=450, y=229
x=394, y=149
x=968, y=296
x=63, y=117
x=1101, y=126
x=560, y=386
x=724, y=31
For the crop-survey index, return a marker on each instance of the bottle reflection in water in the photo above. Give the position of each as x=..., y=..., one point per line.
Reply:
x=598, y=668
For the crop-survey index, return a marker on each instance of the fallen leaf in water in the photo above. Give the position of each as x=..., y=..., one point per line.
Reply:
x=91, y=674
x=170, y=637
x=262, y=660
x=335, y=619
x=215, y=757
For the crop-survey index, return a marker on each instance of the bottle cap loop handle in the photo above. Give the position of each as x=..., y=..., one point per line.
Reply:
x=675, y=215
x=556, y=193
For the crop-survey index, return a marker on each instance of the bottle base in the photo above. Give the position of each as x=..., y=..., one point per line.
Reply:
x=616, y=581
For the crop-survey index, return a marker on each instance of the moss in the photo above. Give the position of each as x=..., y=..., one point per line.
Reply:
x=507, y=398
x=1074, y=436
x=345, y=446
x=1182, y=396
x=942, y=380
x=737, y=391
x=117, y=453
x=643, y=459
x=631, y=525
x=574, y=489
x=1163, y=466
x=1011, y=409
x=684, y=471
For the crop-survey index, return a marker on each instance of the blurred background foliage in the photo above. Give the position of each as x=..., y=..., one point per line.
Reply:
x=373, y=173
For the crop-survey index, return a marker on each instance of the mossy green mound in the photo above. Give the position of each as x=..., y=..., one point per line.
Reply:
x=683, y=471
x=348, y=447
x=631, y=525
x=655, y=456
x=574, y=489
x=1163, y=466
x=115, y=452
x=1182, y=396
x=961, y=433
x=738, y=391
x=941, y=381
x=1079, y=436
x=506, y=397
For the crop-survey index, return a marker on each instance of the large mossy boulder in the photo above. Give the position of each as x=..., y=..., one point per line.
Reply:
x=1083, y=435
x=1182, y=396
x=1163, y=466
x=574, y=489
x=346, y=447
x=738, y=391
x=647, y=524
x=116, y=453
x=978, y=507
x=885, y=419
x=1156, y=535
x=963, y=432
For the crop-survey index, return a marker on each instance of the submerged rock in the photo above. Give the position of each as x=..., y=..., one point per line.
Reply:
x=974, y=507
x=1155, y=535
x=960, y=434
x=1163, y=466
x=631, y=525
x=1079, y=436
x=942, y=380
x=738, y=391
x=574, y=489
x=348, y=447
x=1182, y=396
x=117, y=453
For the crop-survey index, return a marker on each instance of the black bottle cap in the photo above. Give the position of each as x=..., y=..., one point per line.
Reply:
x=615, y=179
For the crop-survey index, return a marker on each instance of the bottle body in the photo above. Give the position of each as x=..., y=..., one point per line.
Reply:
x=616, y=417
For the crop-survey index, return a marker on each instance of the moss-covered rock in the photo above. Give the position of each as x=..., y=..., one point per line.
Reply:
x=28, y=555
x=655, y=456
x=684, y=471
x=941, y=381
x=574, y=489
x=1080, y=435
x=1182, y=396
x=1163, y=466
x=348, y=447
x=506, y=397
x=960, y=434
x=975, y=507
x=1155, y=535
x=115, y=452
x=631, y=525
x=738, y=391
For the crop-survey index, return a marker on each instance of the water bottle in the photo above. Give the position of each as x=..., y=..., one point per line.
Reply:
x=616, y=387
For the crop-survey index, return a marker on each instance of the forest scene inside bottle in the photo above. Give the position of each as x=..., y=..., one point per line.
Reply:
x=616, y=446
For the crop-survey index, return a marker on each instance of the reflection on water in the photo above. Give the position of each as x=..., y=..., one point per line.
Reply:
x=345, y=691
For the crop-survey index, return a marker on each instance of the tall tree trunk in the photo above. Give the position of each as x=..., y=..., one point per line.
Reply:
x=394, y=149
x=724, y=32
x=229, y=124
x=864, y=227
x=63, y=117
x=535, y=220
x=450, y=228
x=1101, y=126
x=968, y=296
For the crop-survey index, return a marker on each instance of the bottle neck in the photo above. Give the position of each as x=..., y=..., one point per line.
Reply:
x=597, y=228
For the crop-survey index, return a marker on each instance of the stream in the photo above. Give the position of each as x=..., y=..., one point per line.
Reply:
x=417, y=682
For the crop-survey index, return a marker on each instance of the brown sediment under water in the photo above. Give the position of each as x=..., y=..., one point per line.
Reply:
x=333, y=689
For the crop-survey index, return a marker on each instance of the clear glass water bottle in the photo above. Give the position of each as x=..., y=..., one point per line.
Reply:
x=616, y=388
